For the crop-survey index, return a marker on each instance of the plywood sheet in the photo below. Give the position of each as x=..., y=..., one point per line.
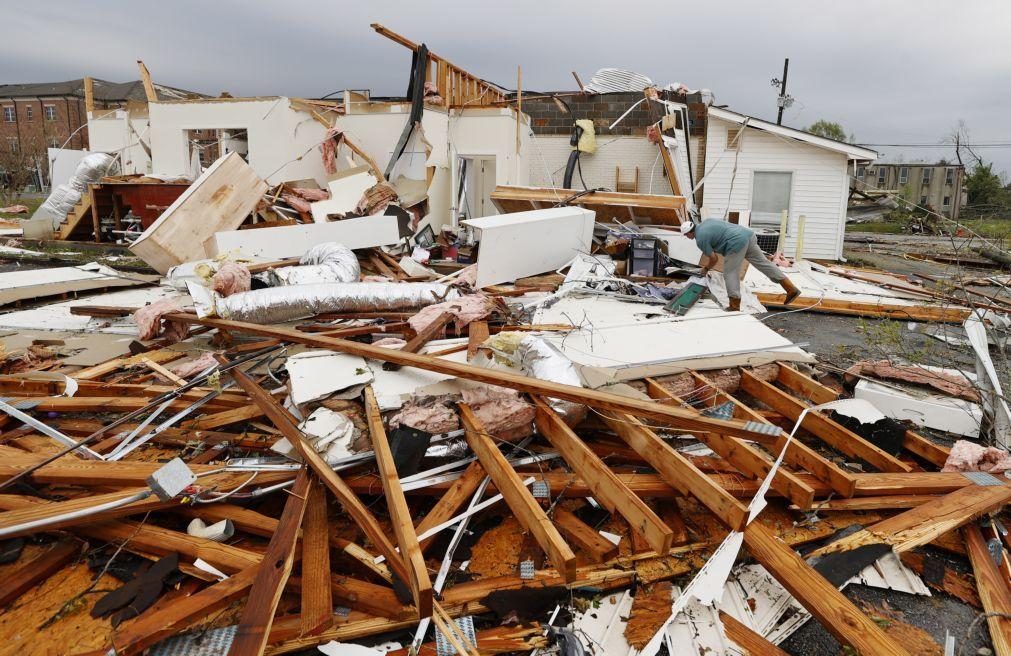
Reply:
x=220, y=199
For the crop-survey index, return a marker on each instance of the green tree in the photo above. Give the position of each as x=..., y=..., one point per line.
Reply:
x=827, y=129
x=984, y=186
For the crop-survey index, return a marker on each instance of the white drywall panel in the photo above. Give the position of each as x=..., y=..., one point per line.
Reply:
x=294, y=241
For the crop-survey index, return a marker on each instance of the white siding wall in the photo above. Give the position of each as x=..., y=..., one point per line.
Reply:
x=819, y=191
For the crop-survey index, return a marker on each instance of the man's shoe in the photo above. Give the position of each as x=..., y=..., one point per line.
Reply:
x=791, y=291
x=735, y=304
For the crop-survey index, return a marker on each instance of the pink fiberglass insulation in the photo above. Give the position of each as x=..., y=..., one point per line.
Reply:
x=464, y=309
x=231, y=278
x=194, y=367
x=503, y=412
x=968, y=457
x=428, y=413
x=149, y=319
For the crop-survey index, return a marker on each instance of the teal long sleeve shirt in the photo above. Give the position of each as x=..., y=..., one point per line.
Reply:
x=722, y=237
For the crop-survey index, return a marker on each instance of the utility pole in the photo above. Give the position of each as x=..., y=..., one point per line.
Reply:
x=783, y=101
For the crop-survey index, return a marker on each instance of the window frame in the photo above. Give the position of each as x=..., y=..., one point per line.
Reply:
x=10, y=113
x=882, y=176
x=949, y=175
x=903, y=174
x=49, y=113
x=927, y=176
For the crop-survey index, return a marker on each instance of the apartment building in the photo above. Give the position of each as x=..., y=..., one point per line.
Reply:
x=938, y=187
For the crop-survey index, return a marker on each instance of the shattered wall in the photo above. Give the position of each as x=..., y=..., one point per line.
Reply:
x=122, y=131
x=277, y=135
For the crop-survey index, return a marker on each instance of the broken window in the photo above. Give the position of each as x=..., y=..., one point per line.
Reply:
x=208, y=144
x=770, y=196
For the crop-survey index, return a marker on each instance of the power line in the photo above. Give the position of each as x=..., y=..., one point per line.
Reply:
x=1006, y=144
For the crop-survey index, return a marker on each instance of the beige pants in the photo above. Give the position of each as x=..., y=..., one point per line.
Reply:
x=752, y=253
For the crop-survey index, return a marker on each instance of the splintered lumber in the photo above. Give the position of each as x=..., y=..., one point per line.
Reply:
x=818, y=393
x=317, y=598
x=273, y=573
x=517, y=496
x=752, y=643
x=477, y=333
x=37, y=570
x=400, y=514
x=607, y=487
x=819, y=597
x=285, y=423
x=54, y=515
x=225, y=418
x=750, y=461
x=840, y=438
x=942, y=313
x=926, y=522
x=993, y=590
x=428, y=333
x=677, y=470
x=455, y=497
x=593, y=544
x=176, y=617
x=678, y=417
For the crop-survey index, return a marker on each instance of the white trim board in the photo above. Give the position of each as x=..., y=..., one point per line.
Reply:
x=529, y=243
x=294, y=241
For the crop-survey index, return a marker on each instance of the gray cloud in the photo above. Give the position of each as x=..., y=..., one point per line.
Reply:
x=890, y=72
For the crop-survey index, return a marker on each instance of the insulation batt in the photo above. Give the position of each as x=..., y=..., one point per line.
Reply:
x=194, y=367
x=327, y=262
x=969, y=457
x=543, y=361
x=231, y=278
x=502, y=411
x=431, y=414
x=281, y=304
x=149, y=321
x=464, y=310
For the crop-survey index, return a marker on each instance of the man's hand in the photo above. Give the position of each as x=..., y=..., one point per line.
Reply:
x=705, y=270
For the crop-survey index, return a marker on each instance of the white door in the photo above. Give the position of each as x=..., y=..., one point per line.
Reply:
x=770, y=195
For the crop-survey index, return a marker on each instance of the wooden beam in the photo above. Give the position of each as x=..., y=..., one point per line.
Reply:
x=926, y=522
x=835, y=612
x=37, y=570
x=946, y=314
x=317, y=596
x=530, y=515
x=752, y=643
x=752, y=462
x=840, y=438
x=993, y=590
x=426, y=334
x=678, y=417
x=176, y=617
x=285, y=423
x=89, y=95
x=272, y=575
x=607, y=487
x=812, y=389
x=400, y=514
x=458, y=494
x=677, y=470
x=477, y=333
x=145, y=78
x=60, y=510
x=593, y=544
x=225, y=418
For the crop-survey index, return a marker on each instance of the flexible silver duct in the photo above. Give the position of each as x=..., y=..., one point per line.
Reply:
x=327, y=262
x=543, y=361
x=281, y=304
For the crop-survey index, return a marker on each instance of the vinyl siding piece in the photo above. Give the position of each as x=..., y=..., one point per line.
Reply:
x=819, y=188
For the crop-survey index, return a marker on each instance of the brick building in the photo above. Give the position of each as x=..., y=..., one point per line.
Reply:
x=34, y=117
x=934, y=186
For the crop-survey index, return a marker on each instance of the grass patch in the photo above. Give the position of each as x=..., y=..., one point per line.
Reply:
x=31, y=203
x=880, y=228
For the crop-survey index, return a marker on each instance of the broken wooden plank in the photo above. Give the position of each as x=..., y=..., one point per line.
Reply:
x=284, y=422
x=225, y=418
x=593, y=544
x=317, y=597
x=752, y=643
x=417, y=342
x=477, y=333
x=517, y=496
x=840, y=438
x=400, y=515
x=265, y=594
x=458, y=494
x=607, y=487
x=993, y=590
x=819, y=597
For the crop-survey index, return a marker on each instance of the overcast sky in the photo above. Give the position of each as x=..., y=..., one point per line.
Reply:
x=889, y=72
